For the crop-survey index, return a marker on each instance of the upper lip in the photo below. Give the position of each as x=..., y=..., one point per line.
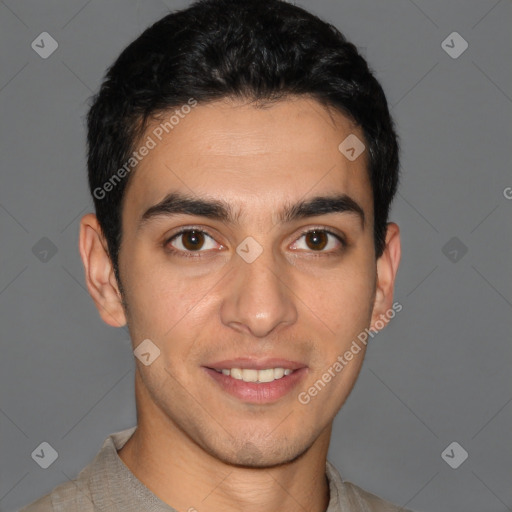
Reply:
x=255, y=364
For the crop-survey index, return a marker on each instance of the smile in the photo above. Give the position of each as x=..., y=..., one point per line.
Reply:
x=252, y=375
x=257, y=386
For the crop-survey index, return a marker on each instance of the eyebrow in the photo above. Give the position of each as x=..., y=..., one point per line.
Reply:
x=181, y=204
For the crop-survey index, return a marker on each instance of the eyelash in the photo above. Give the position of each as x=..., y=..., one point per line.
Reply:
x=190, y=254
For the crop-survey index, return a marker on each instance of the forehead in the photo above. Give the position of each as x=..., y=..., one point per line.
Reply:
x=251, y=157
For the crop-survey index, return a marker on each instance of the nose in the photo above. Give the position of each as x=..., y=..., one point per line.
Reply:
x=258, y=298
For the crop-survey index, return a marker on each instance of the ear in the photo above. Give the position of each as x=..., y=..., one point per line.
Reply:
x=387, y=267
x=99, y=272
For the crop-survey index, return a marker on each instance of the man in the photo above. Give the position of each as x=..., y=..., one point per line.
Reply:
x=242, y=161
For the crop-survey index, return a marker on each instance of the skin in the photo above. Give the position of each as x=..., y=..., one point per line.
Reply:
x=195, y=445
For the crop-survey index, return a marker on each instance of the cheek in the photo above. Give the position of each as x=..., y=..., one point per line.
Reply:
x=162, y=303
x=342, y=301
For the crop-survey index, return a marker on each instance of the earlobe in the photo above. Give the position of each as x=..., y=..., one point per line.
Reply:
x=387, y=268
x=99, y=272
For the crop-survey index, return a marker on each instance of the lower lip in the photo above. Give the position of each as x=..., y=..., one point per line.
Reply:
x=258, y=393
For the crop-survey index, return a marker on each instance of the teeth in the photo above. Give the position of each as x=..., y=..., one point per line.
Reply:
x=236, y=373
x=265, y=375
x=278, y=373
x=251, y=375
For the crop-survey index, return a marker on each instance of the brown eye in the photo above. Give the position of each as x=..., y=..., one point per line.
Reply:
x=192, y=240
x=321, y=241
x=316, y=240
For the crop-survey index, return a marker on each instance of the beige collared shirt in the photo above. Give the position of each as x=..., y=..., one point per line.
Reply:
x=107, y=485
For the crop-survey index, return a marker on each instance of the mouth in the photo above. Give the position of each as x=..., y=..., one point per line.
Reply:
x=257, y=381
x=252, y=375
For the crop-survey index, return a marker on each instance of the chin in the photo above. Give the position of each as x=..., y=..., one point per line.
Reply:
x=250, y=455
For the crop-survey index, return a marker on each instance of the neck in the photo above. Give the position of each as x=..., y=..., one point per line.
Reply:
x=185, y=476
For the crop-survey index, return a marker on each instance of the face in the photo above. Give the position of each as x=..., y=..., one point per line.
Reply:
x=262, y=261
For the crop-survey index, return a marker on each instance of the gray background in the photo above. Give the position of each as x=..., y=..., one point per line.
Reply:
x=440, y=372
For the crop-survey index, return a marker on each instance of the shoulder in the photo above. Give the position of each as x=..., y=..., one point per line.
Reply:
x=43, y=504
x=369, y=502
x=348, y=496
x=66, y=497
x=91, y=483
